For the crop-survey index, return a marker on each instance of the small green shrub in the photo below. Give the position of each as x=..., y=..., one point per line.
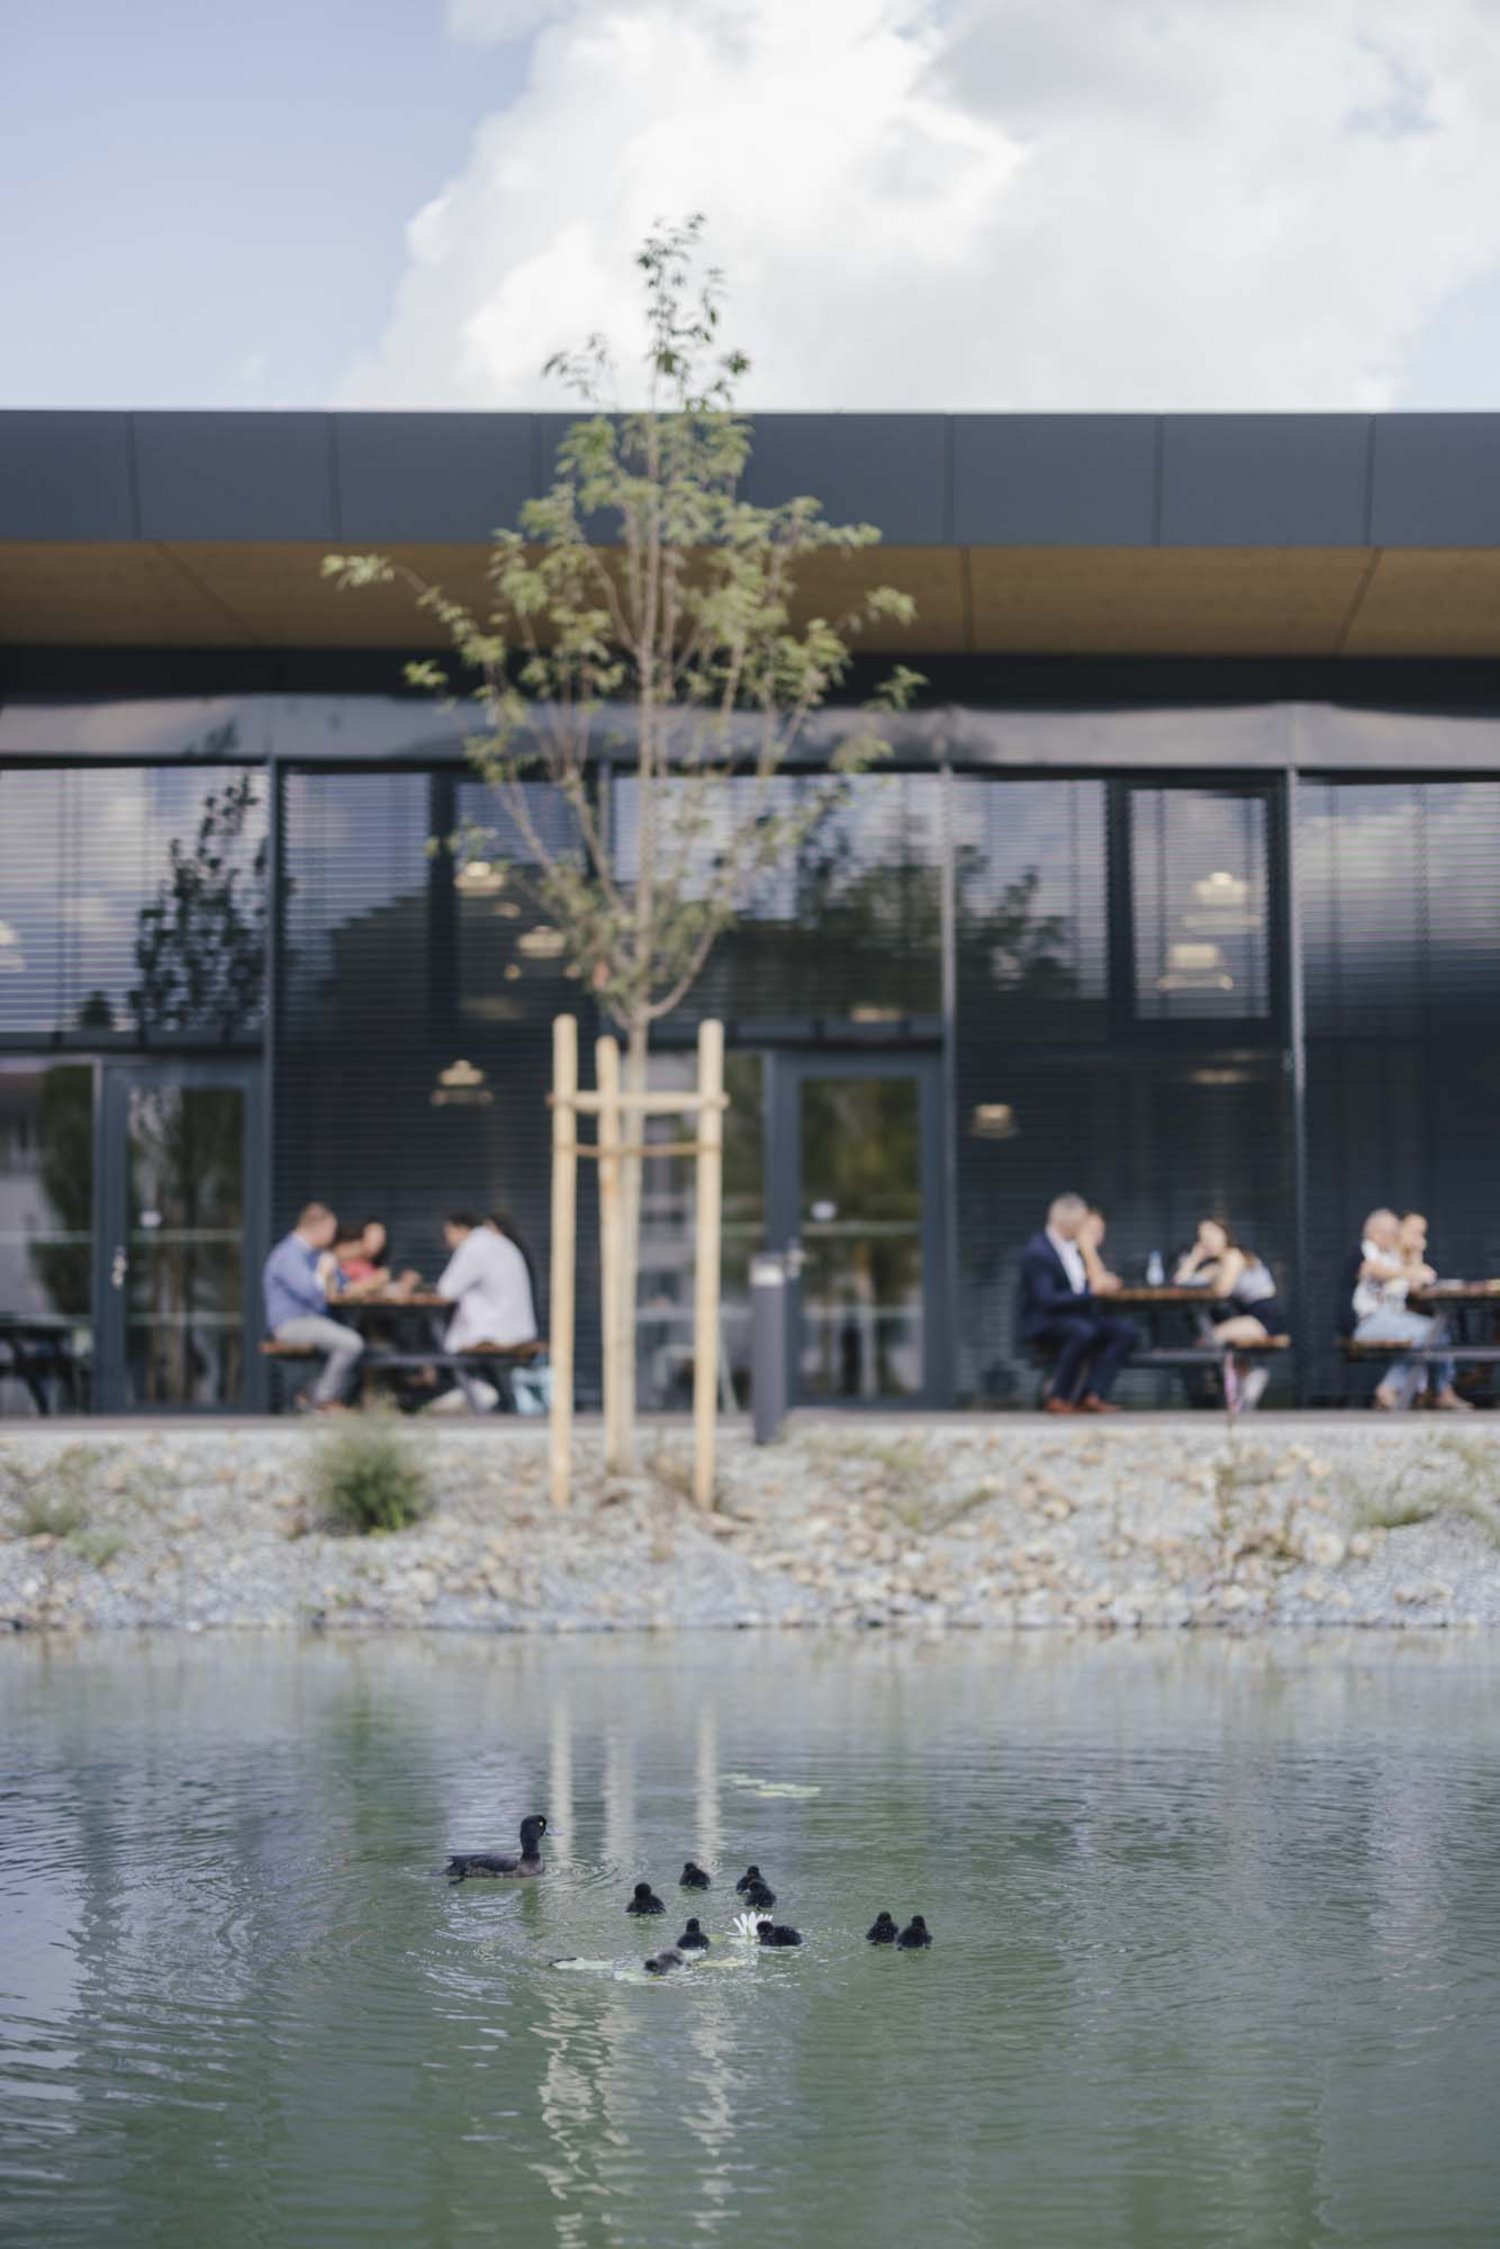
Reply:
x=366, y=1477
x=48, y=1501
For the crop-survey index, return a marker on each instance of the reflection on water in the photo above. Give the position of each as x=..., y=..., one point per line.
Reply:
x=1216, y=1952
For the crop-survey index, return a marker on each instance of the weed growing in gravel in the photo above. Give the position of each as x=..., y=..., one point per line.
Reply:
x=49, y=1500
x=366, y=1477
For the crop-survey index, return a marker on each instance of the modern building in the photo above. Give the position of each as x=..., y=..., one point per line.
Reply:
x=1182, y=885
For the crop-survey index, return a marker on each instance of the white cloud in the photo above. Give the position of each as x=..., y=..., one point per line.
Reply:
x=973, y=203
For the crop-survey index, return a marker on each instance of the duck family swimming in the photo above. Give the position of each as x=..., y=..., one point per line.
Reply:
x=752, y=1886
x=496, y=1864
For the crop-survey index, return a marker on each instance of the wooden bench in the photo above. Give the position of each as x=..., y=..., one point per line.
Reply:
x=499, y=1358
x=1179, y=1357
x=1381, y=1354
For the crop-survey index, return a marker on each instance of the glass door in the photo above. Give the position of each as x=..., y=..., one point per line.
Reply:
x=856, y=1190
x=174, y=1277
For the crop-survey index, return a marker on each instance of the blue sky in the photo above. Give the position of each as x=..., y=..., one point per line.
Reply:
x=920, y=203
x=203, y=204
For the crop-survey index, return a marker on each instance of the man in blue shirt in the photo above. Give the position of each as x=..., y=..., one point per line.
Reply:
x=297, y=1303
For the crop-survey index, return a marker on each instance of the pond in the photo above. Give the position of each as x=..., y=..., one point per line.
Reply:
x=1216, y=1957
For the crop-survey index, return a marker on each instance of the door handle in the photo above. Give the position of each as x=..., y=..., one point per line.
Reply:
x=119, y=1267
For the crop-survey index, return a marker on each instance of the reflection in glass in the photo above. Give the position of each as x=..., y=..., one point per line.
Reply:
x=134, y=899
x=861, y=1232
x=849, y=928
x=1032, y=908
x=512, y=958
x=664, y=1319
x=46, y=1234
x=184, y=1320
x=1198, y=884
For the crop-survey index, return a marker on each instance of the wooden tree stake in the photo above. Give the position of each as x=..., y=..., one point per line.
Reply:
x=611, y=1246
x=614, y=1106
x=564, y=1250
x=710, y=1197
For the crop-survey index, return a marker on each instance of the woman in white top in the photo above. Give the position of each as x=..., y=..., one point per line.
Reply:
x=1384, y=1274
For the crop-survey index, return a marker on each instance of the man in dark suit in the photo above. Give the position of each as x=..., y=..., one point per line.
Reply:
x=1057, y=1310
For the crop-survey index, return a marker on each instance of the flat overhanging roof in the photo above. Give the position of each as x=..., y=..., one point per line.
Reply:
x=1316, y=535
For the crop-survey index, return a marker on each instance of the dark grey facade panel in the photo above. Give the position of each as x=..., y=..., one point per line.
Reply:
x=432, y=477
x=1059, y=480
x=227, y=477
x=885, y=469
x=1293, y=480
x=1264, y=480
x=1436, y=480
x=65, y=476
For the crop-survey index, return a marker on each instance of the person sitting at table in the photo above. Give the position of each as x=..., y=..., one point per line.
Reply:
x=1242, y=1303
x=1374, y=1309
x=1059, y=1311
x=360, y=1257
x=1102, y=1282
x=297, y=1281
x=487, y=1282
x=364, y=1262
x=1412, y=1244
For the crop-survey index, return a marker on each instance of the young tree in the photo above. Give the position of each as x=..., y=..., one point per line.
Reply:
x=200, y=943
x=644, y=612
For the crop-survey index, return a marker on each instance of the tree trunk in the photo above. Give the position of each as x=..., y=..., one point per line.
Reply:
x=620, y=1456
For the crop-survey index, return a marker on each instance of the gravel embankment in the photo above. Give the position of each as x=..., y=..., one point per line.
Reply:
x=1012, y=1523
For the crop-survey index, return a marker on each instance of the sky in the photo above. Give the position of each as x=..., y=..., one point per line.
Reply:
x=1159, y=205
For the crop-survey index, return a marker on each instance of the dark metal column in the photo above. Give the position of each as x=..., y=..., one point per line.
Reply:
x=260, y=1116
x=947, y=1126
x=1296, y=1053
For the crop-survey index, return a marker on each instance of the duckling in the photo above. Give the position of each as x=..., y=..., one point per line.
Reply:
x=884, y=1931
x=692, y=1938
x=662, y=1963
x=692, y=1877
x=645, y=1900
x=492, y=1862
x=914, y=1935
x=748, y=1880
x=757, y=1893
x=775, y=1934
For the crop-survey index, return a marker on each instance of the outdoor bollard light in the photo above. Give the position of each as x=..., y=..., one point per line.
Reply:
x=768, y=1278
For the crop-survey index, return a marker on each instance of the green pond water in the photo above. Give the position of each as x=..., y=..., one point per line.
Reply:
x=1216, y=1959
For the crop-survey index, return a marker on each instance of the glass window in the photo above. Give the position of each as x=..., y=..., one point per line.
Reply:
x=1032, y=908
x=132, y=901
x=185, y=1169
x=849, y=928
x=356, y=874
x=1199, y=904
x=664, y=1319
x=512, y=958
x=1400, y=903
x=46, y=1233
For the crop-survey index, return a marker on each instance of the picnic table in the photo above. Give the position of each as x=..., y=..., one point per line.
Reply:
x=413, y=1323
x=36, y=1350
x=1176, y=1318
x=1472, y=1312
